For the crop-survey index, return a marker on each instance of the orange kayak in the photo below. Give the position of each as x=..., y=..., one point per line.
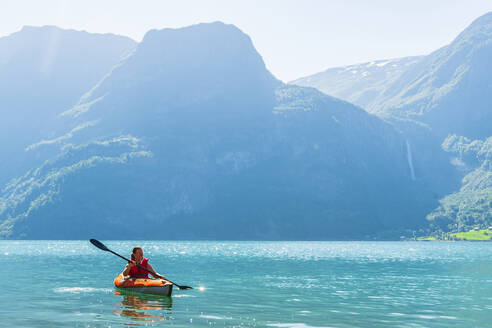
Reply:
x=145, y=286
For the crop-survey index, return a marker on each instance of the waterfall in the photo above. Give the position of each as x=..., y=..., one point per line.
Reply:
x=410, y=162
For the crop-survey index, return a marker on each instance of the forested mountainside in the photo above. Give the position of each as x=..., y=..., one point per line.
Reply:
x=191, y=137
x=43, y=71
x=442, y=104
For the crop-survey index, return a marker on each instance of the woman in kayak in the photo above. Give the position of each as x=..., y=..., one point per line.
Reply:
x=134, y=271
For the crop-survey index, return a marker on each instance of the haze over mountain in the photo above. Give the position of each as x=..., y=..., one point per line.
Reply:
x=191, y=137
x=448, y=89
x=446, y=93
x=44, y=70
x=191, y=134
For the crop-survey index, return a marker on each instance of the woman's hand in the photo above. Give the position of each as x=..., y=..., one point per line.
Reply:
x=130, y=264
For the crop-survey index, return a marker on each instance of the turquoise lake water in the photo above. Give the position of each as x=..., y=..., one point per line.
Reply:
x=251, y=284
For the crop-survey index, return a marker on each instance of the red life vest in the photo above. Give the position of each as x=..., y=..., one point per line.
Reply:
x=136, y=272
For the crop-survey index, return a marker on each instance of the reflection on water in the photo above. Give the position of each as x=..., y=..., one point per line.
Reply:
x=143, y=310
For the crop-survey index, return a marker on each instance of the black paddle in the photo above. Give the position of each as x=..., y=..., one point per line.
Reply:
x=101, y=246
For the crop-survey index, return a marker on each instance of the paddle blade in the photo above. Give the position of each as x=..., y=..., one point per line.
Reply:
x=184, y=287
x=99, y=245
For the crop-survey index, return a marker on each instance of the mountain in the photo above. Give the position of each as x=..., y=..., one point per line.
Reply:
x=359, y=84
x=44, y=70
x=449, y=90
x=190, y=137
x=441, y=103
x=362, y=84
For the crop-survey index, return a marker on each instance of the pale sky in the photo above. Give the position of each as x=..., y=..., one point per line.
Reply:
x=295, y=38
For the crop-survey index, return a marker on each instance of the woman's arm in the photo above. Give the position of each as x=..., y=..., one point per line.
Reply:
x=152, y=271
x=126, y=272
